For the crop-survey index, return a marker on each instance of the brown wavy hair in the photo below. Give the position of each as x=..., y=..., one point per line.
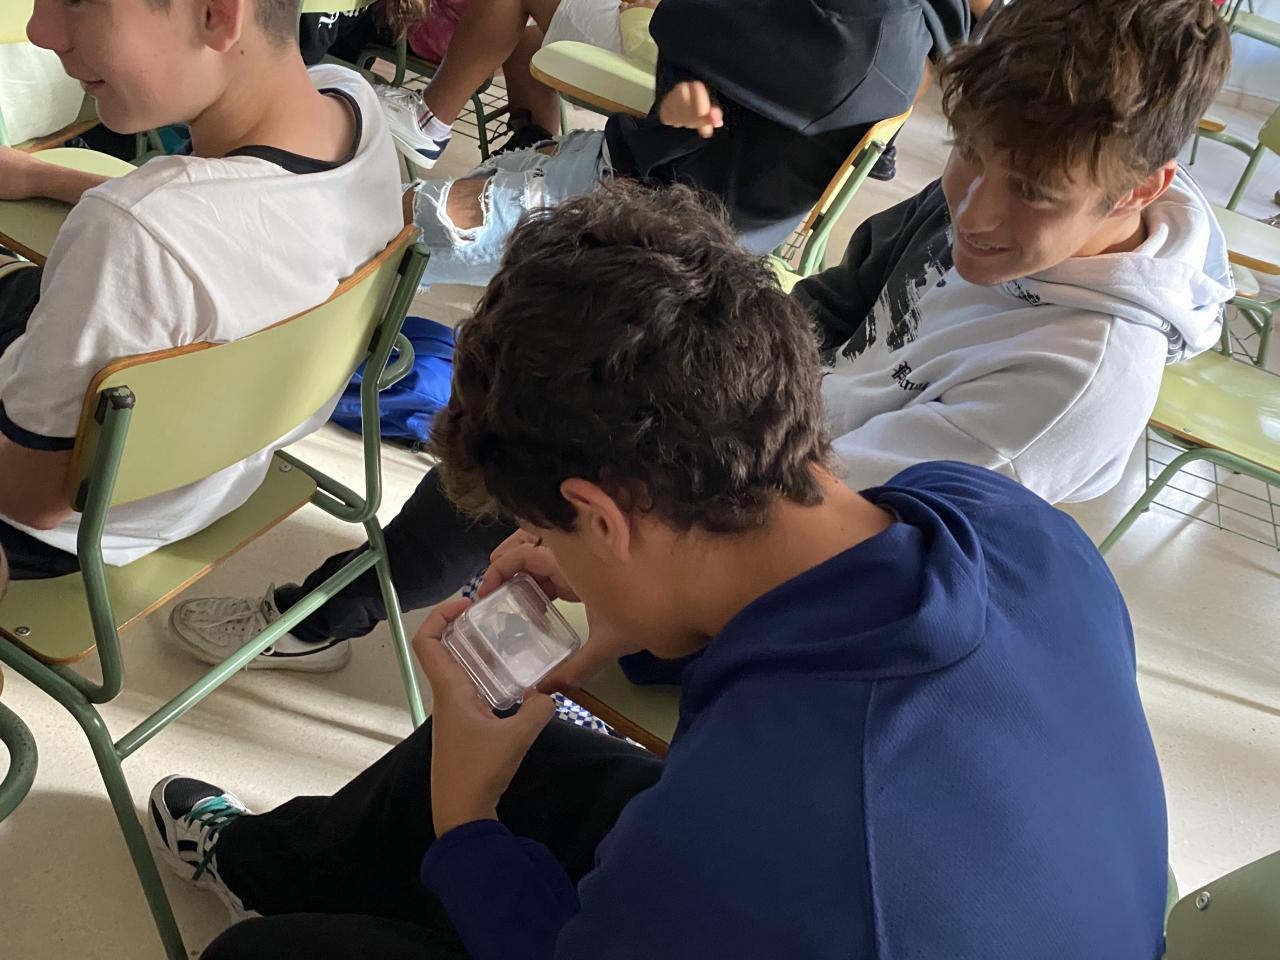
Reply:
x=1116, y=84
x=630, y=341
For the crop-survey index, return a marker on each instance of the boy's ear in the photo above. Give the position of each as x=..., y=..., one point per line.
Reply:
x=1148, y=191
x=606, y=524
x=222, y=22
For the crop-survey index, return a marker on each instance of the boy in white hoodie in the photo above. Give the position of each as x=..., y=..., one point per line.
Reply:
x=1018, y=314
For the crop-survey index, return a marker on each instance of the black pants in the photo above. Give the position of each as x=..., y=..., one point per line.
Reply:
x=337, y=877
x=29, y=558
x=433, y=550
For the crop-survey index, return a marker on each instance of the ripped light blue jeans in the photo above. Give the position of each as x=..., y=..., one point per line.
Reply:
x=518, y=182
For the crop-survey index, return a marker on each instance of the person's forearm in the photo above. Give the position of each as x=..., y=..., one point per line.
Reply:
x=63, y=183
x=506, y=896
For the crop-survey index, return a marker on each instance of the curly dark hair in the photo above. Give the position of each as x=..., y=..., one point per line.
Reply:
x=629, y=341
x=1117, y=84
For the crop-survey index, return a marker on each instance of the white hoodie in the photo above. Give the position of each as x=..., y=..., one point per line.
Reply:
x=1049, y=379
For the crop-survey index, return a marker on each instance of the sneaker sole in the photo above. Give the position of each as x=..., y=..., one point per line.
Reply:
x=300, y=663
x=163, y=853
x=415, y=158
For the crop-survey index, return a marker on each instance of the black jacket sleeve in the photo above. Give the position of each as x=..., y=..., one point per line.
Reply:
x=841, y=297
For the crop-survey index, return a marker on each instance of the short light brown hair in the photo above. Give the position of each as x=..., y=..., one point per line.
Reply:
x=1116, y=84
x=277, y=18
x=628, y=340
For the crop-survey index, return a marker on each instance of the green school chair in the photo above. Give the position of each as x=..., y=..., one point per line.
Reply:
x=596, y=79
x=1236, y=917
x=1217, y=410
x=21, y=748
x=161, y=421
x=806, y=250
x=1249, y=24
x=1252, y=245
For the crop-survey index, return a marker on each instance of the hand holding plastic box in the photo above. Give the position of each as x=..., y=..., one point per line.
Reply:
x=509, y=641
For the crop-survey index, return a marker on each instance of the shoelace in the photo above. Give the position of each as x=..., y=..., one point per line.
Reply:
x=212, y=813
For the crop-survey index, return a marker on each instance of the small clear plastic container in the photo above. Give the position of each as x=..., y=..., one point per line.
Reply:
x=511, y=640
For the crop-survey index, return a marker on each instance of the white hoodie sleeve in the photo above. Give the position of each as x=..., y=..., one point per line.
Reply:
x=1063, y=426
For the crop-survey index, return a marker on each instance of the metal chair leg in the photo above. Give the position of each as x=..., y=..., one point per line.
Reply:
x=482, y=134
x=1153, y=490
x=391, y=603
x=135, y=839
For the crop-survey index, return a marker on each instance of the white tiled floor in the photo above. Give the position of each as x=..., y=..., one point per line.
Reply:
x=1204, y=605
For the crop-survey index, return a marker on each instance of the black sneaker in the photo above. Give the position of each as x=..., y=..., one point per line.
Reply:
x=187, y=817
x=530, y=135
x=886, y=167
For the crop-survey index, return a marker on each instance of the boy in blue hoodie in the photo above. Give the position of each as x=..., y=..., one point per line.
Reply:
x=913, y=730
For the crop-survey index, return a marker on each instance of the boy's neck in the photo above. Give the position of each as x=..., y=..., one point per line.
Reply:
x=733, y=571
x=271, y=101
x=1121, y=236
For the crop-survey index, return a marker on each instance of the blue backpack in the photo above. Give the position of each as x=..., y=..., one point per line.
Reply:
x=408, y=407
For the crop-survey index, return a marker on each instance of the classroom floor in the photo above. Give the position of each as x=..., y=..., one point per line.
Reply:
x=1204, y=605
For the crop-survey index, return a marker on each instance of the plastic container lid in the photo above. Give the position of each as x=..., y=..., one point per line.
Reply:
x=511, y=640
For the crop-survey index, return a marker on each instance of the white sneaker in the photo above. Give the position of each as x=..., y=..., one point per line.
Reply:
x=213, y=628
x=186, y=817
x=405, y=112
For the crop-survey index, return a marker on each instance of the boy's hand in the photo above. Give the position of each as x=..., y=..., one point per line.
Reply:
x=20, y=175
x=523, y=552
x=689, y=105
x=474, y=754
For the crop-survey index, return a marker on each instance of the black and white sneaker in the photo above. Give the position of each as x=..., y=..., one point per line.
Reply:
x=186, y=818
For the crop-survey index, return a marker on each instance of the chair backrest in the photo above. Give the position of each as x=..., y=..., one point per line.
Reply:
x=879, y=133
x=202, y=407
x=1236, y=917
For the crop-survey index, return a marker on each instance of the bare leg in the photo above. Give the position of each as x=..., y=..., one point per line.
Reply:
x=524, y=92
x=487, y=35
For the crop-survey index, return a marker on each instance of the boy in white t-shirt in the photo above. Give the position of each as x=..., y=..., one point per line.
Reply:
x=293, y=185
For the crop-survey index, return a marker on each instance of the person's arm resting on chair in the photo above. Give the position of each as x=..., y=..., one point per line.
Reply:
x=23, y=176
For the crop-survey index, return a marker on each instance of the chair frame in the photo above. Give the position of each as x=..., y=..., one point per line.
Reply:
x=80, y=695
x=1192, y=452
x=1260, y=314
x=21, y=747
x=813, y=235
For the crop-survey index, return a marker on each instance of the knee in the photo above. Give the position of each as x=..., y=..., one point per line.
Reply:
x=247, y=940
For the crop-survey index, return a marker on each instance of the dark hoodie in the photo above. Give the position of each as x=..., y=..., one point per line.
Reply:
x=929, y=746
x=799, y=81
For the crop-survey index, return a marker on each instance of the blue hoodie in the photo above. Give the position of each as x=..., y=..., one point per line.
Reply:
x=930, y=746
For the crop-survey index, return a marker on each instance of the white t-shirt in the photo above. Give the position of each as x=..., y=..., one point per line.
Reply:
x=188, y=250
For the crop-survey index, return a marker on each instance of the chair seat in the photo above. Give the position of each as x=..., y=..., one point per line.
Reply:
x=601, y=79
x=50, y=618
x=1211, y=125
x=1246, y=283
x=1250, y=243
x=1215, y=401
x=1233, y=918
x=30, y=226
x=1259, y=28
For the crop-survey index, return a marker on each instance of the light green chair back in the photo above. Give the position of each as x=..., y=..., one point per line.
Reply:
x=211, y=413
x=1269, y=135
x=1236, y=917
